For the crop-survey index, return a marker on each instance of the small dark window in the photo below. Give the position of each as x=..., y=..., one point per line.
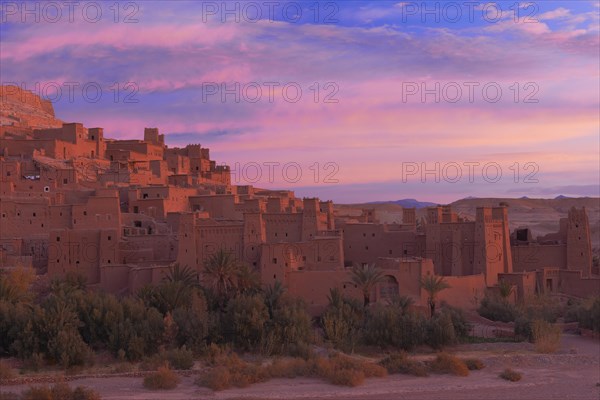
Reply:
x=109, y=261
x=85, y=213
x=34, y=214
x=390, y=251
x=275, y=261
x=110, y=238
x=7, y=173
x=373, y=234
x=65, y=181
x=366, y=247
x=58, y=238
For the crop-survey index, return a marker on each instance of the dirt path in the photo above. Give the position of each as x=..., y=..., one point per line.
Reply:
x=573, y=373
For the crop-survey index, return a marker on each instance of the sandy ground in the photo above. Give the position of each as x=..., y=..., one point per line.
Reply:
x=572, y=373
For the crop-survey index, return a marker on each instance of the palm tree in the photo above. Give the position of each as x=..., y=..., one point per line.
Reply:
x=335, y=297
x=366, y=278
x=247, y=280
x=220, y=273
x=506, y=289
x=403, y=303
x=186, y=275
x=273, y=295
x=433, y=285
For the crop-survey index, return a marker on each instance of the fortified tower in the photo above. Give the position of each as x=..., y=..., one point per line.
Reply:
x=492, y=243
x=579, y=245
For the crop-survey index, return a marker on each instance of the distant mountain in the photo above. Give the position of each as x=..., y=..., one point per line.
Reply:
x=407, y=203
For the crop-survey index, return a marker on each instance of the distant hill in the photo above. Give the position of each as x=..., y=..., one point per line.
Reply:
x=540, y=215
x=407, y=203
x=25, y=109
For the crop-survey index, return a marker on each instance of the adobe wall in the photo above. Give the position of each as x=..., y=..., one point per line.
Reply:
x=573, y=284
x=525, y=283
x=534, y=256
x=465, y=291
x=365, y=243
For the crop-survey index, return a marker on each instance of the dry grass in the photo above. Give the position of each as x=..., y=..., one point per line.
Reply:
x=474, y=364
x=511, y=375
x=399, y=363
x=232, y=371
x=546, y=337
x=338, y=369
x=60, y=391
x=163, y=379
x=445, y=363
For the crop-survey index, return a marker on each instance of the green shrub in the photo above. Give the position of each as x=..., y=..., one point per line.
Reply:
x=289, y=330
x=180, y=358
x=459, y=321
x=387, y=326
x=448, y=364
x=342, y=323
x=399, y=363
x=543, y=308
x=587, y=313
x=523, y=328
x=440, y=331
x=245, y=320
x=163, y=379
x=510, y=375
x=474, y=364
x=496, y=309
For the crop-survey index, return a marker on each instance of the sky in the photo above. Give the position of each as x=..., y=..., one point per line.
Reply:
x=350, y=101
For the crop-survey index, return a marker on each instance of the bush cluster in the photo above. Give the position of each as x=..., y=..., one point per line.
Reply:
x=587, y=313
x=510, y=375
x=338, y=369
x=448, y=364
x=64, y=323
x=399, y=363
x=347, y=323
x=163, y=379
